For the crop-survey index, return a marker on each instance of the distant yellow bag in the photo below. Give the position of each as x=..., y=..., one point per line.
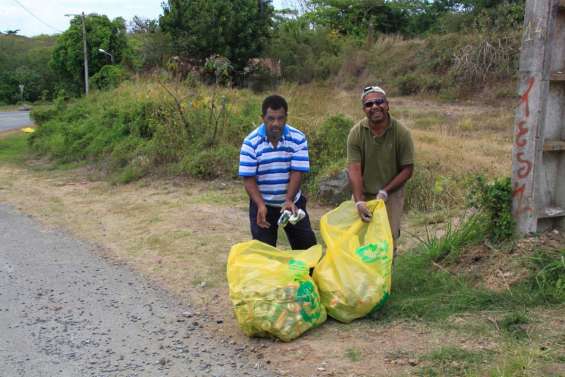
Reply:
x=354, y=277
x=272, y=291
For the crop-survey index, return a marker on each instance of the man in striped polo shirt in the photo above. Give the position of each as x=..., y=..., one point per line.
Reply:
x=272, y=160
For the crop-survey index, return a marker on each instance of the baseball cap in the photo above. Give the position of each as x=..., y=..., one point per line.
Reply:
x=372, y=89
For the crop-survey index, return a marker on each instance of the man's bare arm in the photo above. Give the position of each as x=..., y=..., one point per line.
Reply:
x=356, y=181
x=400, y=179
x=292, y=189
x=250, y=184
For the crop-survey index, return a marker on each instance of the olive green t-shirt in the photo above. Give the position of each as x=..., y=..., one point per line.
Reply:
x=380, y=157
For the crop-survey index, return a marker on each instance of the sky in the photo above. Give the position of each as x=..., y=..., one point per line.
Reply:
x=48, y=16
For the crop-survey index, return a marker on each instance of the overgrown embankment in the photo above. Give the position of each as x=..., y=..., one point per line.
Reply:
x=451, y=66
x=145, y=127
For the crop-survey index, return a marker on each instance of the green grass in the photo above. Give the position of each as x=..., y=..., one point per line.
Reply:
x=423, y=288
x=513, y=325
x=452, y=361
x=353, y=354
x=14, y=148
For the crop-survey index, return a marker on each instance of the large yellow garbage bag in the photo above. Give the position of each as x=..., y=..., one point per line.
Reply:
x=354, y=277
x=272, y=291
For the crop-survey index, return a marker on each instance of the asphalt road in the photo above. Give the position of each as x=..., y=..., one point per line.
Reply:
x=65, y=310
x=14, y=119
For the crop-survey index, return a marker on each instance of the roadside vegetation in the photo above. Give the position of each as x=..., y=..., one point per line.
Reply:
x=454, y=277
x=150, y=158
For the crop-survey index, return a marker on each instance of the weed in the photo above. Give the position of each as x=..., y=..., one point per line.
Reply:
x=495, y=200
x=518, y=361
x=452, y=361
x=428, y=190
x=353, y=354
x=469, y=231
x=548, y=275
x=513, y=325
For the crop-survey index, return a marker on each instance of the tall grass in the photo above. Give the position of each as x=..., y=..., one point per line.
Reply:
x=423, y=288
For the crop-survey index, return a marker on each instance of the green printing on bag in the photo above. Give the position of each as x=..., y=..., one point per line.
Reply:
x=372, y=252
x=298, y=269
x=309, y=300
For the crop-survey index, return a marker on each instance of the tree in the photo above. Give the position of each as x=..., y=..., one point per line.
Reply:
x=101, y=33
x=151, y=47
x=24, y=61
x=235, y=29
x=353, y=17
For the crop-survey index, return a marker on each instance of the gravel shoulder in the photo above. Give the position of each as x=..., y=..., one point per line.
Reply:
x=65, y=310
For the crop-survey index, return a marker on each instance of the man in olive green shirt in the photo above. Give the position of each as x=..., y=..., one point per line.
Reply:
x=380, y=157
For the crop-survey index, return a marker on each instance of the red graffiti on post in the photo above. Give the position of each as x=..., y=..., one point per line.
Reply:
x=525, y=98
x=518, y=194
x=524, y=164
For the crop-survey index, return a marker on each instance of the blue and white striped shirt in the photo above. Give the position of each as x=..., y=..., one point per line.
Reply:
x=272, y=166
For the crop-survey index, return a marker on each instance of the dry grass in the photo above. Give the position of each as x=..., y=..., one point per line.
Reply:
x=462, y=139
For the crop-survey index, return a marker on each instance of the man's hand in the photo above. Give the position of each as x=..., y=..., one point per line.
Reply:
x=363, y=211
x=382, y=195
x=289, y=205
x=262, y=217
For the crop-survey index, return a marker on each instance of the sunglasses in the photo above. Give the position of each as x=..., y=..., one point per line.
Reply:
x=378, y=102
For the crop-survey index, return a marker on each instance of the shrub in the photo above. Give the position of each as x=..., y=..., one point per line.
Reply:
x=495, y=200
x=328, y=143
x=408, y=84
x=429, y=190
x=222, y=161
x=259, y=78
x=109, y=76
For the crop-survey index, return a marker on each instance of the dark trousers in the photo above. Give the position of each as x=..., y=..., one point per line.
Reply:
x=300, y=236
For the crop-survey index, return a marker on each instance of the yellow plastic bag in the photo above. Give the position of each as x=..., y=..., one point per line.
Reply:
x=271, y=290
x=354, y=277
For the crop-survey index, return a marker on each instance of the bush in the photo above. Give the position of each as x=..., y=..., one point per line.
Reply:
x=305, y=54
x=108, y=77
x=429, y=190
x=495, y=200
x=408, y=84
x=139, y=128
x=219, y=162
x=259, y=78
x=328, y=142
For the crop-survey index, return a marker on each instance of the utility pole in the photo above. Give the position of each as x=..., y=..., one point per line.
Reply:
x=85, y=54
x=538, y=153
x=21, y=86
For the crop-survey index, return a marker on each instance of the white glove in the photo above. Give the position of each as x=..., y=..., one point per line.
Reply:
x=363, y=211
x=382, y=195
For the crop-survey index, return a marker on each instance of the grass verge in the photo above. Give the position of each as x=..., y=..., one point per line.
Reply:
x=13, y=148
x=423, y=288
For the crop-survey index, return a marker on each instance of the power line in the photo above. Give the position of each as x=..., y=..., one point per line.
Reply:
x=37, y=18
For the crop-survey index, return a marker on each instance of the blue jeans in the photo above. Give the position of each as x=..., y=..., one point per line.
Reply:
x=300, y=236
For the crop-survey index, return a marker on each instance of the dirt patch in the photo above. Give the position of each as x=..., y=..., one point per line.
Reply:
x=498, y=269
